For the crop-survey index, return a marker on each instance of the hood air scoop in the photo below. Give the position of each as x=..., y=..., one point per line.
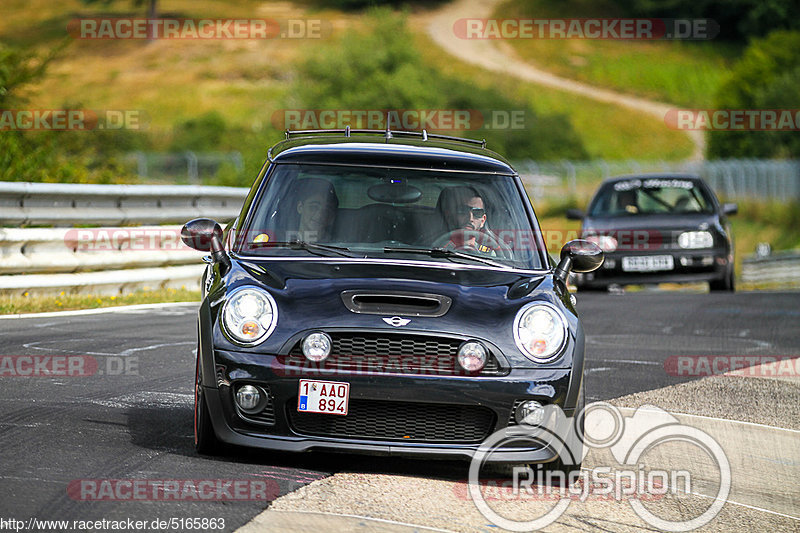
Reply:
x=396, y=303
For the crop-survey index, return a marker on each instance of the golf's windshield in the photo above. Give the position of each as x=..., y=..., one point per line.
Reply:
x=649, y=197
x=388, y=213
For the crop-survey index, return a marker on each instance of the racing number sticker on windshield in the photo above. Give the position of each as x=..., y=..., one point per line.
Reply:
x=330, y=397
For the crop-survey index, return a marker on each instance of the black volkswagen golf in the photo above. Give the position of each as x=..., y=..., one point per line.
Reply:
x=658, y=228
x=385, y=293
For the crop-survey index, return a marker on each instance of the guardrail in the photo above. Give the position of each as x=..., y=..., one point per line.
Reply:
x=777, y=180
x=115, y=259
x=107, y=259
x=778, y=268
x=29, y=204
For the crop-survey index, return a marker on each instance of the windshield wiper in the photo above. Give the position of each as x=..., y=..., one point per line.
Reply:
x=303, y=245
x=441, y=252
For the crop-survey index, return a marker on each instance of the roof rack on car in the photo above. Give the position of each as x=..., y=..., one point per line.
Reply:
x=386, y=134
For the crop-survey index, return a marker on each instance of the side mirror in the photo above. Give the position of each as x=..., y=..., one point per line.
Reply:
x=205, y=235
x=730, y=209
x=578, y=256
x=574, y=214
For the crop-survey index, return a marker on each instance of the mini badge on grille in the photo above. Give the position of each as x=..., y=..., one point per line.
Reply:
x=396, y=321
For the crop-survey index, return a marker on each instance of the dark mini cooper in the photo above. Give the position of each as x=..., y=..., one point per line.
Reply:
x=386, y=293
x=658, y=228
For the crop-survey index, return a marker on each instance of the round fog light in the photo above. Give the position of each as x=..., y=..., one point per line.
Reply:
x=530, y=413
x=248, y=397
x=317, y=347
x=472, y=356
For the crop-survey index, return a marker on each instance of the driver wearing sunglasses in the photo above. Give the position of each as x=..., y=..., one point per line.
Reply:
x=469, y=214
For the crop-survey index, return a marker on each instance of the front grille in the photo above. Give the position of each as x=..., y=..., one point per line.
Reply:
x=398, y=421
x=391, y=353
x=265, y=417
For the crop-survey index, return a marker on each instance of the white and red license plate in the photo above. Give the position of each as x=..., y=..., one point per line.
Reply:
x=647, y=263
x=329, y=397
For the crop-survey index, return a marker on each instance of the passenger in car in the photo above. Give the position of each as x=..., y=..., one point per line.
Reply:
x=626, y=202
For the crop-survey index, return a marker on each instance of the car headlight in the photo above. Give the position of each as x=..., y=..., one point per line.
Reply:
x=249, y=315
x=607, y=243
x=540, y=331
x=695, y=239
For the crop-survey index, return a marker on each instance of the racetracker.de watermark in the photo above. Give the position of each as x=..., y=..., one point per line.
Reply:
x=72, y=119
x=197, y=29
x=733, y=365
x=401, y=119
x=515, y=240
x=733, y=119
x=72, y=366
x=172, y=490
x=133, y=239
x=627, y=29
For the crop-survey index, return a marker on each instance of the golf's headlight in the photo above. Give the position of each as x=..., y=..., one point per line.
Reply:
x=695, y=239
x=607, y=243
x=249, y=315
x=540, y=331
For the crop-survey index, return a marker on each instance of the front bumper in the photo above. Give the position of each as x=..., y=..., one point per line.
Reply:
x=689, y=266
x=495, y=393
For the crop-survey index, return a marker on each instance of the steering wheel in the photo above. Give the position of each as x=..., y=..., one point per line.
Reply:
x=461, y=239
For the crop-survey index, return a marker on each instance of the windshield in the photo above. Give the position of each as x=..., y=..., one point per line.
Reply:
x=649, y=197
x=388, y=213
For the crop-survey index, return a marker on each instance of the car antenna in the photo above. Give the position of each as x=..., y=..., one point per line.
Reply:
x=388, y=128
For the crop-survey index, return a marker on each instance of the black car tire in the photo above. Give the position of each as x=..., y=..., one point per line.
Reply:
x=578, y=418
x=726, y=283
x=205, y=440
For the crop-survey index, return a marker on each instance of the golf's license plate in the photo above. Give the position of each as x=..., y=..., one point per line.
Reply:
x=648, y=263
x=329, y=397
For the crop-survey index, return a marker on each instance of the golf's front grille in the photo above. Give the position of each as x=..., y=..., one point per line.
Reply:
x=390, y=353
x=398, y=421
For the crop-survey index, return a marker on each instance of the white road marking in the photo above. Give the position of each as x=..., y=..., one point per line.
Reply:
x=599, y=369
x=676, y=413
x=748, y=506
x=371, y=519
x=153, y=347
x=590, y=470
x=631, y=361
x=100, y=310
x=161, y=399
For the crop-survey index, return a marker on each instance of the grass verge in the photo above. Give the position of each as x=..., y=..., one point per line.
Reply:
x=16, y=304
x=607, y=131
x=686, y=73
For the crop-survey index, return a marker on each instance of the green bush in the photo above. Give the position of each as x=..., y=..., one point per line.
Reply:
x=738, y=19
x=352, y=5
x=766, y=77
x=381, y=69
x=55, y=156
x=206, y=132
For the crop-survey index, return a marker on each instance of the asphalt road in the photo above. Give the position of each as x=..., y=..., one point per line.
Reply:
x=136, y=422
